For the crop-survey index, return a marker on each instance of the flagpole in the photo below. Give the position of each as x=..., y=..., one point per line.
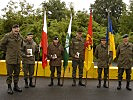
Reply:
x=90, y=42
x=66, y=51
x=108, y=48
x=63, y=77
x=86, y=78
x=37, y=65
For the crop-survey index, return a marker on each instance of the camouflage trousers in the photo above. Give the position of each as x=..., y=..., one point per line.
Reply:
x=79, y=64
x=105, y=73
x=13, y=71
x=120, y=74
x=52, y=69
x=28, y=70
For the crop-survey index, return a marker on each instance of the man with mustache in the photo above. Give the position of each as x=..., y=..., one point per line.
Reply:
x=28, y=59
x=11, y=43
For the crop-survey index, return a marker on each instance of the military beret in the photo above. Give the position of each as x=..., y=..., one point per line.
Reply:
x=30, y=33
x=103, y=39
x=125, y=36
x=56, y=38
x=15, y=26
x=79, y=30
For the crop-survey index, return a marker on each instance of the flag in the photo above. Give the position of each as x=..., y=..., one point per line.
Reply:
x=66, y=51
x=110, y=37
x=88, y=45
x=44, y=42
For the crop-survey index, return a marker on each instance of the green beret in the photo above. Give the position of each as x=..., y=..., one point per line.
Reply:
x=125, y=36
x=15, y=26
x=30, y=33
x=103, y=39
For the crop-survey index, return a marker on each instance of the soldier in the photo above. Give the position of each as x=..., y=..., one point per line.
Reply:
x=101, y=53
x=28, y=59
x=55, y=54
x=125, y=61
x=77, y=53
x=11, y=43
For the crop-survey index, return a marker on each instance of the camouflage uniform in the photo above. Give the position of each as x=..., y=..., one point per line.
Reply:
x=77, y=46
x=55, y=63
x=125, y=60
x=101, y=53
x=12, y=44
x=28, y=62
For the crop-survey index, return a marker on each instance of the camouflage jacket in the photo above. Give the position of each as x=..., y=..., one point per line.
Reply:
x=12, y=46
x=55, y=50
x=101, y=53
x=77, y=45
x=124, y=55
x=29, y=45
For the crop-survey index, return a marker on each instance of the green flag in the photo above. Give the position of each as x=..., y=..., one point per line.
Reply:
x=66, y=52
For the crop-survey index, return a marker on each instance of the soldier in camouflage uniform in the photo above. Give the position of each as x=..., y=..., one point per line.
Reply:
x=77, y=52
x=125, y=61
x=11, y=43
x=28, y=59
x=55, y=54
x=101, y=53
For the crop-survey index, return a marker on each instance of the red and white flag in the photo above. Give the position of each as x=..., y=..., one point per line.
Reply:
x=44, y=42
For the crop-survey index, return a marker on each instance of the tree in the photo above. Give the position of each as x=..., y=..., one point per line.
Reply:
x=31, y=20
x=56, y=9
x=126, y=24
x=101, y=8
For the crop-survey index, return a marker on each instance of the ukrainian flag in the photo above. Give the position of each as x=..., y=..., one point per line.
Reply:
x=110, y=38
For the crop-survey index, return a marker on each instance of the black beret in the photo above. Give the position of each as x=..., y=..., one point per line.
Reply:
x=56, y=38
x=125, y=36
x=30, y=33
x=15, y=26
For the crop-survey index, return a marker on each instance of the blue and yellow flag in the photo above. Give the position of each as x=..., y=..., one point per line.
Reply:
x=110, y=38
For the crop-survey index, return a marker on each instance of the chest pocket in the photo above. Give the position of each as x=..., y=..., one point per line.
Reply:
x=28, y=47
x=53, y=50
x=11, y=41
x=130, y=50
x=76, y=45
x=122, y=51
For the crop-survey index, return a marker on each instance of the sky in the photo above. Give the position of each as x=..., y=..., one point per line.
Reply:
x=78, y=4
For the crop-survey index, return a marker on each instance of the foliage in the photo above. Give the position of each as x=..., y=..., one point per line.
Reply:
x=101, y=9
x=58, y=17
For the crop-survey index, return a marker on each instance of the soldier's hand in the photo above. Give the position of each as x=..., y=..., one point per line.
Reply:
x=28, y=55
x=76, y=56
x=54, y=58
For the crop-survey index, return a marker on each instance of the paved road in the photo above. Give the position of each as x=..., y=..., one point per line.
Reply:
x=67, y=92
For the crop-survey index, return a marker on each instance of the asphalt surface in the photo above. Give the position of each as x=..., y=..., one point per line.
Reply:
x=43, y=92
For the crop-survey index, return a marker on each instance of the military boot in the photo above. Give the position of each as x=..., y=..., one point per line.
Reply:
x=105, y=85
x=74, y=82
x=80, y=82
x=9, y=91
x=51, y=83
x=59, y=82
x=128, y=87
x=26, y=83
x=16, y=88
x=119, y=85
x=31, y=83
x=99, y=84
